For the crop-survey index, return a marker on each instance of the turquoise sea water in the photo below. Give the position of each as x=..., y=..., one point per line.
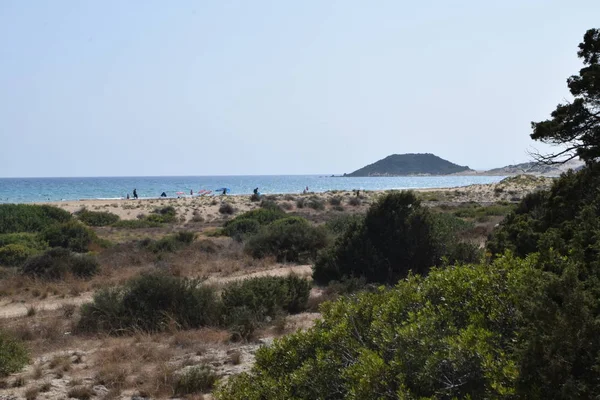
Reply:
x=25, y=190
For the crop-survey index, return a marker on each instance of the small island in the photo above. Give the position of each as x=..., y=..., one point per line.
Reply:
x=409, y=165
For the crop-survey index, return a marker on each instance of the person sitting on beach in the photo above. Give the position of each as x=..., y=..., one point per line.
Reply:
x=163, y=194
x=224, y=191
x=256, y=191
x=135, y=196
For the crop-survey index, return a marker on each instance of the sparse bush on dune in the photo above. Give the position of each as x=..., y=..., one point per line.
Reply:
x=288, y=239
x=169, y=243
x=300, y=202
x=96, y=218
x=58, y=263
x=241, y=228
x=249, y=222
x=335, y=200
x=163, y=215
x=29, y=240
x=227, y=209
x=194, y=380
x=248, y=303
x=71, y=235
x=354, y=201
x=340, y=224
x=269, y=204
x=316, y=203
x=13, y=355
x=151, y=303
x=30, y=218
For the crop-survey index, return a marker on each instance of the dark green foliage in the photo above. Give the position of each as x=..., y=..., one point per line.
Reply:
x=248, y=303
x=59, y=262
x=477, y=211
x=163, y=215
x=562, y=218
x=340, y=224
x=575, y=125
x=459, y=324
x=14, y=255
x=226, y=208
x=197, y=379
x=13, y=355
x=288, y=239
x=137, y=224
x=71, y=235
x=397, y=235
x=300, y=202
x=97, y=218
x=240, y=228
x=409, y=164
x=151, y=303
x=249, y=222
x=169, y=243
x=29, y=218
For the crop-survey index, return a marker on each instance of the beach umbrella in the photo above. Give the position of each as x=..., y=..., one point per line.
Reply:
x=179, y=193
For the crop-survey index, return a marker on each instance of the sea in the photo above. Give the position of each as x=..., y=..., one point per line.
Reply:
x=28, y=190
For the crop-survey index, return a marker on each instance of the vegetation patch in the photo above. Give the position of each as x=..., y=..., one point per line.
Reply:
x=58, y=263
x=96, y=218
x=13, y=355
x=71, y=235
x=30, y=218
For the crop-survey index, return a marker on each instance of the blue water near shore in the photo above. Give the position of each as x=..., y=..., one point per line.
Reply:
x=26, y=190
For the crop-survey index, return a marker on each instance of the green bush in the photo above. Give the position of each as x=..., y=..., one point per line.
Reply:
x=197, y=379
x=259, y=217
x=316, y=203
x=335, y=200
x=151, y=303
x=14, y=255
x=25, y=239
x=97, y=218
x=163, y=215
x=57, y=263
x=137, y=224
x=13, y=355
x=288, y=239
x=270, y=204
x=300, y=203
x=340, y=224
x=397, y=235
x=71, y=235
x=30, y=218
x=169, y=243
x=248, y=303
x=461, y=332
x=241, y=228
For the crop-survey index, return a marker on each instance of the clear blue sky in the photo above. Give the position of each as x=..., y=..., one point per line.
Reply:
x=112, y=88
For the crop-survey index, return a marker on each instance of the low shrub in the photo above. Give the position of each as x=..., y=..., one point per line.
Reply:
x=151, y=303
x=14, y=255
x=30, y=218
x=354, y=201
x=255, y=197
x=259, y=217
x=288, y=239
x=248, y=303
x=57, y=263
x=335, y=200
x=316, y=203
x=240, y=228
x=197, y=379
x=25, y=239
x=169, y=243
x=287, y=205
x=227, y=209
x=270, y=204
x=97, y=218
x=13, y=355
x=137, y=224
x=300, y=202
x=163, y=215
x=71, y=235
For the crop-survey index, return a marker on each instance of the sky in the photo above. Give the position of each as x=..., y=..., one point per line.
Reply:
x=148, y=88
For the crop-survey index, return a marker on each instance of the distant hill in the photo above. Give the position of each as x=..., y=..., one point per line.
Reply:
x=533, y=168
x=410, y=164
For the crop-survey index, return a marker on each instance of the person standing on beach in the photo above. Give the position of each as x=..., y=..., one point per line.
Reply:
x=135, y=196
x=191, y=192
